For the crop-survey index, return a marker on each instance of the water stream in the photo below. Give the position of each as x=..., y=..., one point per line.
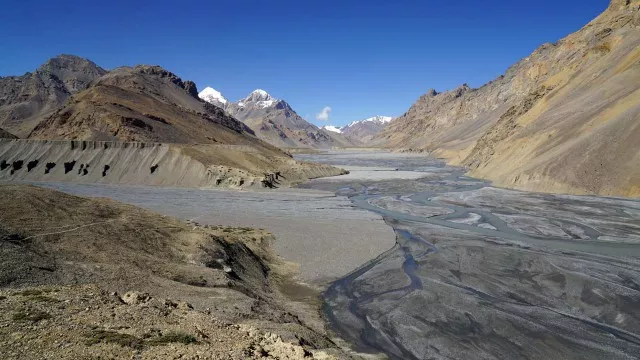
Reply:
x=485, y=273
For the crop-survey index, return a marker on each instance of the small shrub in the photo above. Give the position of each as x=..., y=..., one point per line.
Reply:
x=30, y=292
x=173, y=337
x=112, y=337
x=33, y=316
x=603, y=48
x=42, y=298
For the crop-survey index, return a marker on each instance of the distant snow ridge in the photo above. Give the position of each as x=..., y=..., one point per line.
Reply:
x=378, y=119
x=212, y=95
x=332, y=129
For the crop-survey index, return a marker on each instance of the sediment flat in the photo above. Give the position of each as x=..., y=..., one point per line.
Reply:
x=321, y=232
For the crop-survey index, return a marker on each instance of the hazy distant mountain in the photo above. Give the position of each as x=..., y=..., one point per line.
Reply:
x=274, y=121
x=361, y=131
x=26, y=100
x=565, y=118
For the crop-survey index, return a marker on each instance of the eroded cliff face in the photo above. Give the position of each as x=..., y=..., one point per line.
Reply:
x=564, y=119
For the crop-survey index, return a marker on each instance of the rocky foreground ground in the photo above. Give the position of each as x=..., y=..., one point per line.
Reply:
x=93, y=278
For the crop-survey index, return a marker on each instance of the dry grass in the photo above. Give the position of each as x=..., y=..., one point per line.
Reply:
x=112, y=337
x=173, y=337
x=31, y=315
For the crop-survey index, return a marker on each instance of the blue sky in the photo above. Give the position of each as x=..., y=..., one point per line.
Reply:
x=361, y=58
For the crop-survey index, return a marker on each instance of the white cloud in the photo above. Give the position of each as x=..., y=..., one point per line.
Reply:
x=324, y=114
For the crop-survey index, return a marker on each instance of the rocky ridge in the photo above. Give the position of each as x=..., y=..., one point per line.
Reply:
x=26, y=100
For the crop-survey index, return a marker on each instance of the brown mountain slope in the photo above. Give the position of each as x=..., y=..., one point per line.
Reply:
x=146, y=104
x=26, y=100
x=565, y=119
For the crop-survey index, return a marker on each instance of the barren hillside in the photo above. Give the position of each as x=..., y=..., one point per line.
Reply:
x=28, y=99
x=564, y=119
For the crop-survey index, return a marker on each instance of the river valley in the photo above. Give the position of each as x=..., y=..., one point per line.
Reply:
x=484, y=273
x=461, y=270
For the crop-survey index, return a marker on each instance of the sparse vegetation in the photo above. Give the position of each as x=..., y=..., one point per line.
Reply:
x=42, y=298
x=31, y=292
x=173, y=337
x=34, y=316
x=602, y=48
x=112, y=337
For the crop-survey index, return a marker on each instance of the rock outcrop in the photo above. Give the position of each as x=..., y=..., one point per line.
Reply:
x=564, y=119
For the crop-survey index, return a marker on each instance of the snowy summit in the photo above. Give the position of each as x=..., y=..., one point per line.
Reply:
x=332, y=129
x=212, y=95
x=377, y=119
x=260, y=98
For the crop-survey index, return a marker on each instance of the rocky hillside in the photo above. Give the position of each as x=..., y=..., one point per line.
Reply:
x=564, y=119
x=146, y=104
x=93, y=278
x=362, y=131
x=26, y=100
x=274, y=121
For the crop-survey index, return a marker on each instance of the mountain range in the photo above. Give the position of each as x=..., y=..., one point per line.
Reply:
x=564, y=119
x=362, y=131
x=135, y=125
x=274, y=120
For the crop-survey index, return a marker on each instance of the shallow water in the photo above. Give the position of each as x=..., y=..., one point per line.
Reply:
x=485, y=273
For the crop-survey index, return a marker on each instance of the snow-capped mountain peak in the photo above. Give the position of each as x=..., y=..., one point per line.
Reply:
x=261, y=93
x=260, y=98
x=212, y=96
x=332, y=129
x=378, y=119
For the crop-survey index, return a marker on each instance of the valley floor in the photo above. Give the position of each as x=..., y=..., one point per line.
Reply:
x=460, y=269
